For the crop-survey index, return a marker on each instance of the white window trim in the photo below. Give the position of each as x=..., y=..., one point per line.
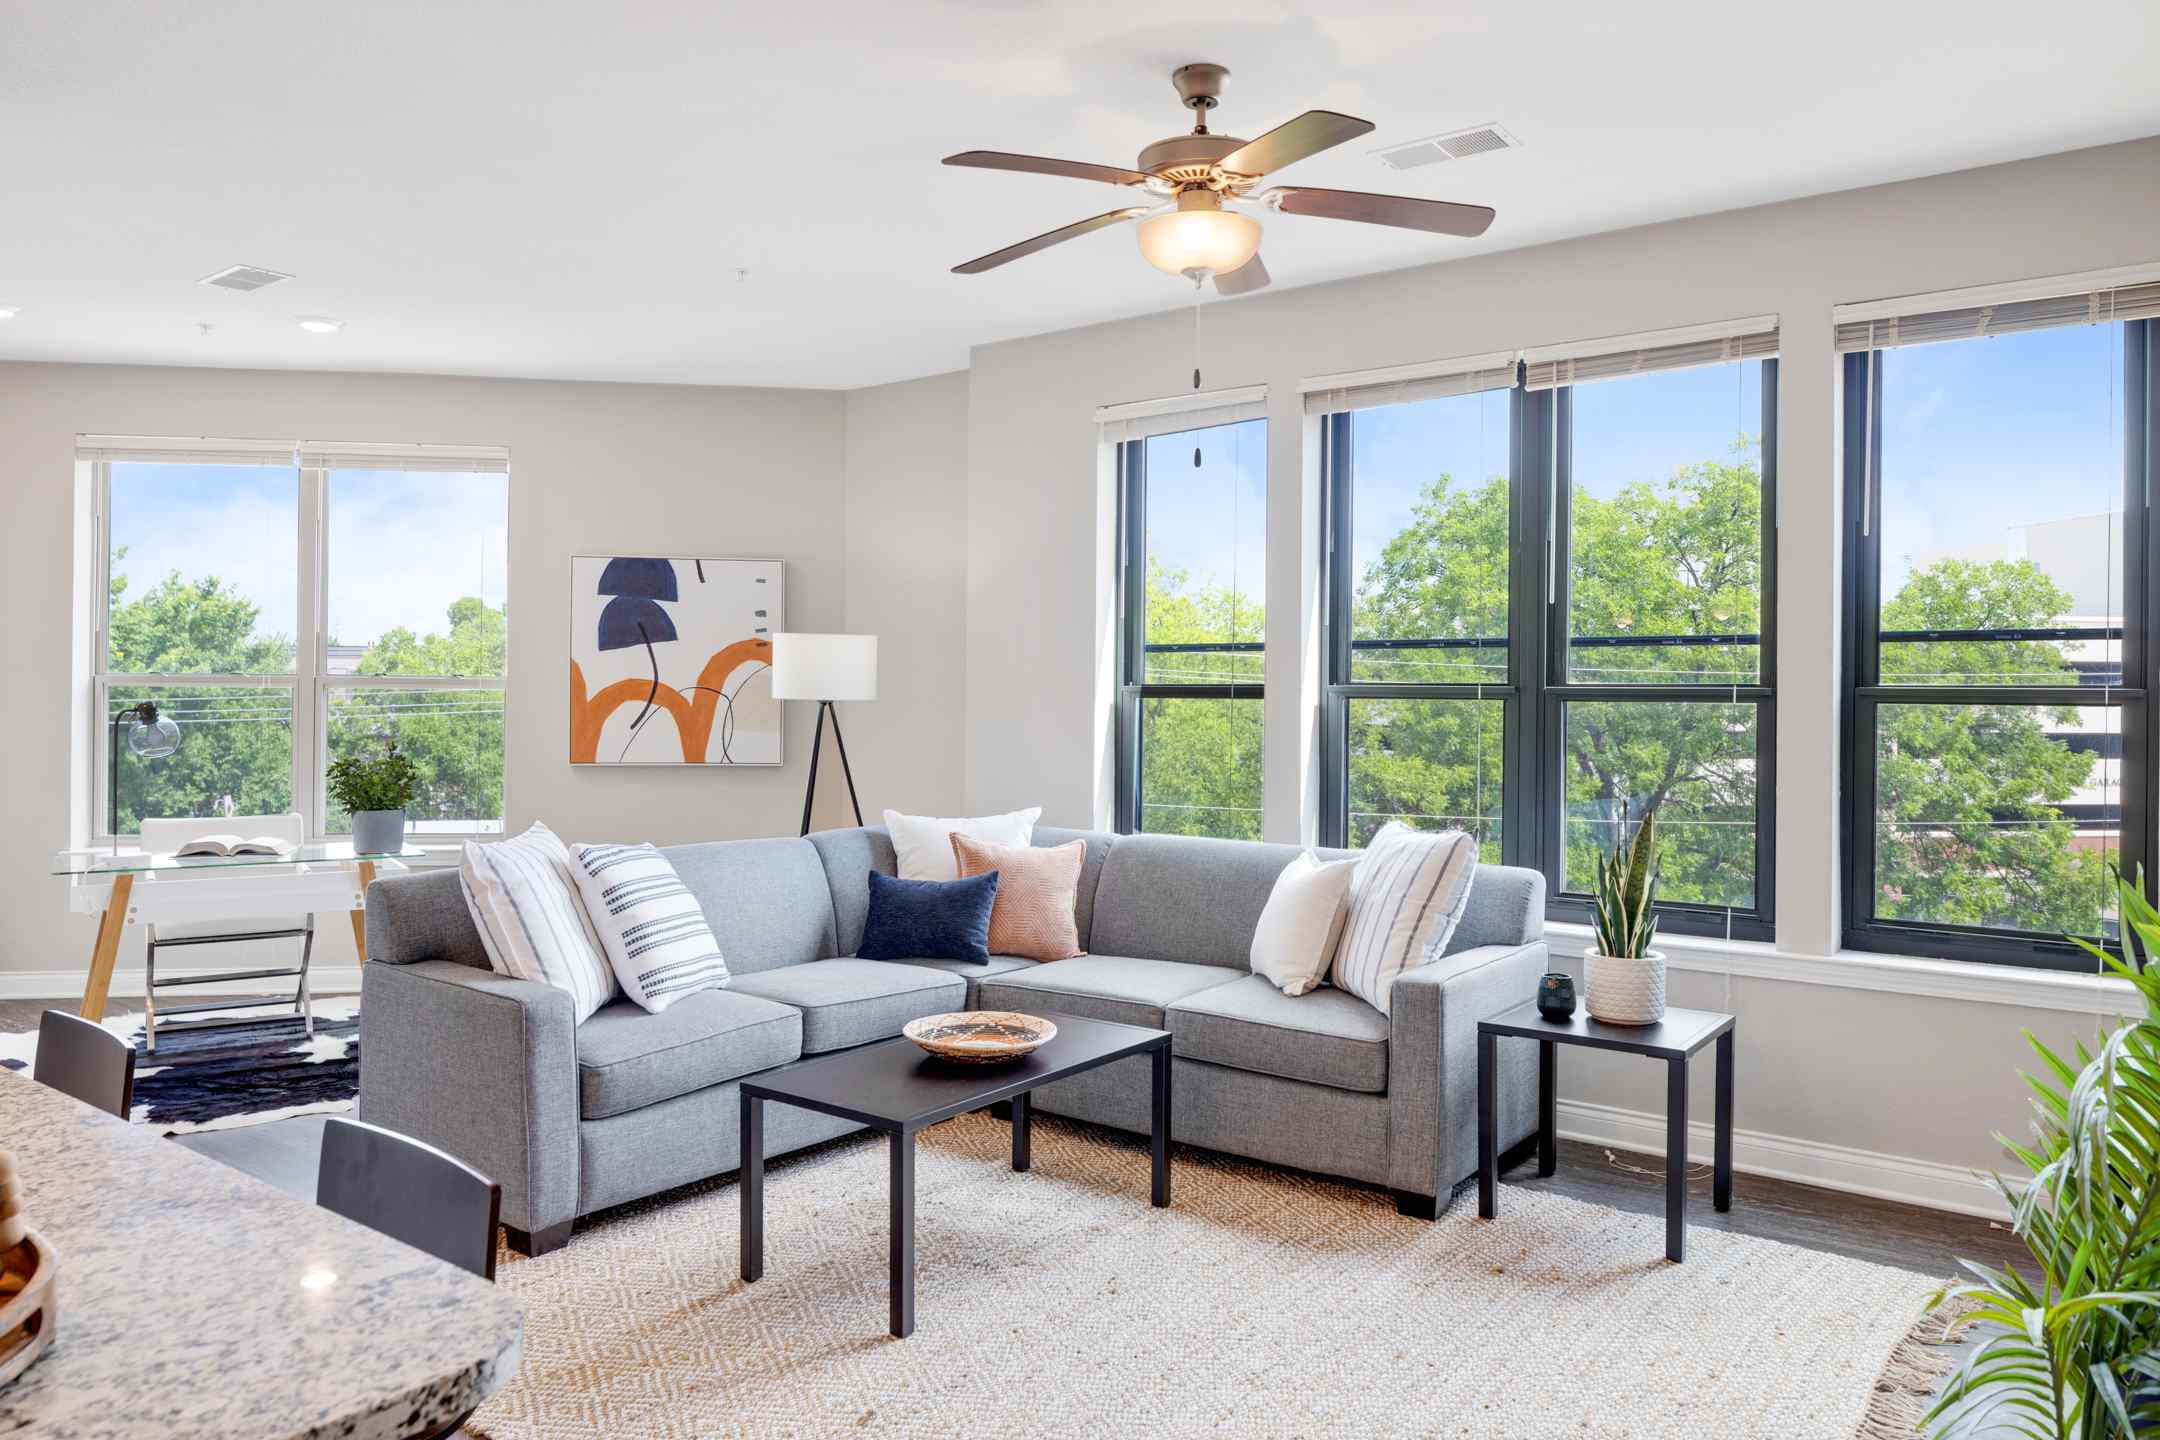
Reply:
x=309, y=685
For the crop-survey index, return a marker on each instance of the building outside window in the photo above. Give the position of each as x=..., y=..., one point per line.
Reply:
x=1999, y=562
x=285, y=605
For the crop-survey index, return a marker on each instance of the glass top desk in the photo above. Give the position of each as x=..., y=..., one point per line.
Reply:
x=136, y=887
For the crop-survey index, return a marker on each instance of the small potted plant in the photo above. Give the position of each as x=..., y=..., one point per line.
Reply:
x=1625, y=978
x=375, y=789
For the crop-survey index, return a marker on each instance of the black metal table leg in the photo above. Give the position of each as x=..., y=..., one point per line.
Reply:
x=753, y=1188
x=1676, y=1140
x=1022, y=1131
x=900, y=1255
x=1488, y=1127
x=1159, y=1135
x=1548, y=1083
x=1721, y=1157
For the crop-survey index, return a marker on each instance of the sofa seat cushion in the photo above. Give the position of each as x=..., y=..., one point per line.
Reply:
x=1328, y=1037
x=629, y=1058
x=852, y=1002
x=1103, y=987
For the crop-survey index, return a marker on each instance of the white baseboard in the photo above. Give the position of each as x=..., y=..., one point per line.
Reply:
x=127, y=984
x=1810, y=1162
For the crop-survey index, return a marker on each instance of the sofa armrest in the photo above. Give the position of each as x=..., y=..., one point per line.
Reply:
x=1432, y=1063
x=482, y=1066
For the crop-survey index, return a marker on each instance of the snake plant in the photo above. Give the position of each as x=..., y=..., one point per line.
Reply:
x=1626, y=894
x=2073, y=1353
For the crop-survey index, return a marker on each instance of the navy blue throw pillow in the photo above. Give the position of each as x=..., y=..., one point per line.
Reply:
x=929, y=919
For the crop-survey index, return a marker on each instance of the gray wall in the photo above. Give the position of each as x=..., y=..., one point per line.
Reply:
x=1923, y=1077
x=598, y=468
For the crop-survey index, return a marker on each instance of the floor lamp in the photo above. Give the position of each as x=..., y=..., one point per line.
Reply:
x=825, y=668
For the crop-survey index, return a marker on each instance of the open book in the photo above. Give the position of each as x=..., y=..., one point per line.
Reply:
x=234, y=845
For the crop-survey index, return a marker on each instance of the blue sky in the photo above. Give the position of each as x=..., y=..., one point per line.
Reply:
x=402, y=546
x=1979, y=437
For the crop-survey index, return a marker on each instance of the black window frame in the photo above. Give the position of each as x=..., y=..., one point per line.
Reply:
x=1863, y=692
x=1133, y=648
x=1537, y=690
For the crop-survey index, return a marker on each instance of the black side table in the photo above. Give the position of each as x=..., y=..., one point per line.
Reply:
x=1674, y=1040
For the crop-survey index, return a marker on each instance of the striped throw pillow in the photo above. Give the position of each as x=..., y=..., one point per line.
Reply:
x=650, y=925
x=1405, y=900
x=533, y=928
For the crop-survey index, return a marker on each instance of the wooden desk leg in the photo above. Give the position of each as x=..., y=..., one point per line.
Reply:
x=107, y=949
x=1721, y=1156
x=359, y=916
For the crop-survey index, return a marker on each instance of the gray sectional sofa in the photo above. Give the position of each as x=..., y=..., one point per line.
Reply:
x=573, y=1119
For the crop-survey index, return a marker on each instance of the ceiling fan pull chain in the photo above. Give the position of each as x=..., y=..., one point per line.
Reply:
x=1196, y=282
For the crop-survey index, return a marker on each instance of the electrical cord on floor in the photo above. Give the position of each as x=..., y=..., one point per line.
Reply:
x=1695, y=1172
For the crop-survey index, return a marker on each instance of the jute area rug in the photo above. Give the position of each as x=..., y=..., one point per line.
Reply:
x=1060, y=1303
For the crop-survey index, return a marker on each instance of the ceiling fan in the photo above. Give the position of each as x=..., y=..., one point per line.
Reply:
x=1204, y=184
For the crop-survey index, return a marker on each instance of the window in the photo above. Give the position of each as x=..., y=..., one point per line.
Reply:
x=1548, y=599
x=1999, y=549
x=285, y=607
x=1193, y=507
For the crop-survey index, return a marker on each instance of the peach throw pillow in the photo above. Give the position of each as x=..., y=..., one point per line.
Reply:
x=1037, y=893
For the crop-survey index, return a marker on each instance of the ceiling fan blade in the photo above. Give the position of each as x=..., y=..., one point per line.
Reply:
x=1441, y=217
x=1039, y=165
x=1293, y=140
x=1048, y=238
x=1250, y=276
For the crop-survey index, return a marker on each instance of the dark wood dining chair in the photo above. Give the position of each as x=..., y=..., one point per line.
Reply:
x=80, y=1058
x=409, y=1191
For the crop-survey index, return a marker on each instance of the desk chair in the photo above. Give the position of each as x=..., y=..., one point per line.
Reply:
x=166, y=836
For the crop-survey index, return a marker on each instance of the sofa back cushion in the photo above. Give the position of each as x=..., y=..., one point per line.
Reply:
x=1506, y=907
x=421, y=915
x=1175, y=897
x=766, y=900
x=850, y=855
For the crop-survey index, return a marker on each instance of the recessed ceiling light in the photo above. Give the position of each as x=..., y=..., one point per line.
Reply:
x=320, y=324
x=9, y=312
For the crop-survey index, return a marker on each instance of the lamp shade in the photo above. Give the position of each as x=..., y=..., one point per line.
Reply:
x=824, y=667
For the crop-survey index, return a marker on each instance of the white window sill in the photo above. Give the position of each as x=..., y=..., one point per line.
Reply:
x=1894, y=974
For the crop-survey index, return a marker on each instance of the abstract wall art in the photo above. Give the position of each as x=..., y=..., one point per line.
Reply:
x=671, y=660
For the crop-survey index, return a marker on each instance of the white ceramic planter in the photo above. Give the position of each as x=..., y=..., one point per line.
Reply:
x=1625, y=992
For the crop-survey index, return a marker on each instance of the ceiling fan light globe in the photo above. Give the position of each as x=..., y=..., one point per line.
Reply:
x=1213, y=241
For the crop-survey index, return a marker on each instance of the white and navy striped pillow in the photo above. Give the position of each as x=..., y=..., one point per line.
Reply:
x=1405, y=899
x=650, y=925
x=530, y=921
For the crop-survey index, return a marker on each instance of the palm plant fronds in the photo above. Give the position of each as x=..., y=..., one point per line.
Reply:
x=2074, y=1352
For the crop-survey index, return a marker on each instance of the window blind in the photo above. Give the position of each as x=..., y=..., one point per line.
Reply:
x=1550, y=366
x=1138, y=419
x=470, y=459
x=308, y=454
x=1859, y=327
x=1403, y=384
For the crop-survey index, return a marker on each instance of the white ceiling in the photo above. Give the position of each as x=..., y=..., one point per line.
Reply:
x=746, y=194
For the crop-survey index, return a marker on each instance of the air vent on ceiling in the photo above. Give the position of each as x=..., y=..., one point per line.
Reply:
x=1455, y=145
x=244, y=277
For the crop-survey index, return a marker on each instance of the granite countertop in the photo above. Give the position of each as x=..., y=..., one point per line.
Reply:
x=195, y=1301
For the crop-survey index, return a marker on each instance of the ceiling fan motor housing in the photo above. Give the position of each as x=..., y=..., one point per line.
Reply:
x=1188, y=159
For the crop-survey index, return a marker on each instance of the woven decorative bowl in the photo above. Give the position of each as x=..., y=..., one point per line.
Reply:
x=980, y=1037
x=27, y=1307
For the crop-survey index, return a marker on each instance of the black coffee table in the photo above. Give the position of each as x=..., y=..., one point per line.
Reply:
x=897, y=1087
x=1673, y=1040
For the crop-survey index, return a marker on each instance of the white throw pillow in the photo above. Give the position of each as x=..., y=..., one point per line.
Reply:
x=650, y=925
x=1405, y=900
x=1302, y=922
x=924, y=844
x=530, y=920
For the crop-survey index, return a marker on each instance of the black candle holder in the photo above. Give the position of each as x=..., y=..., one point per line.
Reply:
x=1556, y=996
